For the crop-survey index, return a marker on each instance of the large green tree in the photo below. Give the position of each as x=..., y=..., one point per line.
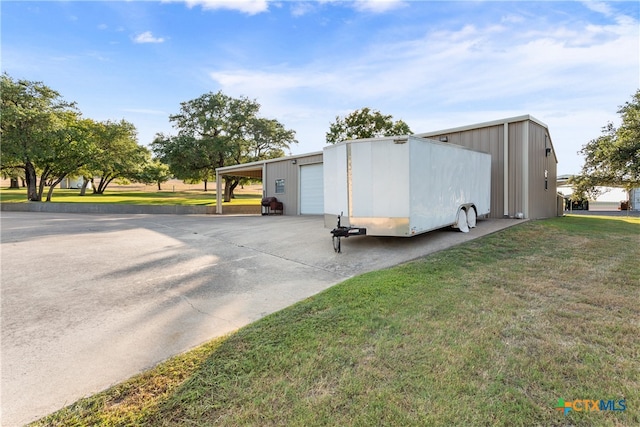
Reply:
x=72, y=147
x=154, y=172
x=118, y=155
x=216, y=130
x=365, y=123
x=613, y=159
x=265, y=139
x=32, y=122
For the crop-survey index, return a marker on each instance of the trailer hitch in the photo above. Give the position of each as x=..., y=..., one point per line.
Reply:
x=341, y=231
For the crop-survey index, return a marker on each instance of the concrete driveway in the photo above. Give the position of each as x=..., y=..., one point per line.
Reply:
x=90, y=300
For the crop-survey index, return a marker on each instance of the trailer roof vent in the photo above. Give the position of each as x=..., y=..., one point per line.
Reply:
x=402, y=140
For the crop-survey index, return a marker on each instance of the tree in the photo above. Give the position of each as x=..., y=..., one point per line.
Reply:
x=188, y=158
x=154, y=172
x=266, y=139
x=118, y=155
x=263, y=139
x=72, y=147
x=216, y=130
x=31, y=120
x=365, y=123
x=613, y=159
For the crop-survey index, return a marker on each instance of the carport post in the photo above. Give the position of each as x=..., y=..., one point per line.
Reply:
x=218, y=194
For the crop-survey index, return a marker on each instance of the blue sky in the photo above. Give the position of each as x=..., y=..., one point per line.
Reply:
x=433, y=64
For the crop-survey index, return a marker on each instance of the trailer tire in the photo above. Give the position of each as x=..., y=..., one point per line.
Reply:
x=472, y=217
x=461, y=221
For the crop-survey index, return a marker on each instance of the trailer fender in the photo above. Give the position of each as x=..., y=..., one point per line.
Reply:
x=472, y=216
x=461, y=220
x=466, y=218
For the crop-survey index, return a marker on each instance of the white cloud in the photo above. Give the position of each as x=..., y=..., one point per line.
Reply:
x=449, y=78
x=250, y=7
x=147, y=37
x=600, y=7
x=454, y=66
x=378, y=6
x=253, y=7
x=302, y=8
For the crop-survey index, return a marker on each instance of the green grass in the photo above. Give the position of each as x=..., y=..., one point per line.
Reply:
x=185, y=198
x=491, y=332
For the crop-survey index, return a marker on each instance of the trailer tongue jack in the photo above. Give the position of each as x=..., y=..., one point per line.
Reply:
x=341, y=231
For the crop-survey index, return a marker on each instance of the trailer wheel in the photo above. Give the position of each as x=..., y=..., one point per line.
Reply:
x=336, y=244
x=471, y=217
x=461, y=221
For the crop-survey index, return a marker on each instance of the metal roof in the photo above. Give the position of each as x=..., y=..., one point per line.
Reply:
x=483, y=125
x=254, y=169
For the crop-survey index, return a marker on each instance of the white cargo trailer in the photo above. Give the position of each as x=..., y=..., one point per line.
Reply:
x=403, y=186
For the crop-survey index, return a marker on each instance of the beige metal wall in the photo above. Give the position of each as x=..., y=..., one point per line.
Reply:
x=290, y=172
x=526, y=165
x=516, y=172
x=542, y=200
x=489, y=140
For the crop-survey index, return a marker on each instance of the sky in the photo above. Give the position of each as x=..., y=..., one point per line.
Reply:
x=433, y=64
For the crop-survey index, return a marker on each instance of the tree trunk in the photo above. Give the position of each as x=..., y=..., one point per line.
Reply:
x=227, y=189
x=104, y=184
x=53, y=185
x=30, y=177
x=41, y=185
x=159, y=189
x=205, y=184
x=234, y=184
x=14, y=183
x=45, y=179
x=99, y=190
x=85, y=184
x=105, y=180
x=230, y=184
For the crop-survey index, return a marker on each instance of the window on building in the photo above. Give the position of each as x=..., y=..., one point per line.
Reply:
x=546, y=179
x=279, y=186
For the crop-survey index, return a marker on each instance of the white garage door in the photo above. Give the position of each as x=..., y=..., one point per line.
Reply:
x=311, y=189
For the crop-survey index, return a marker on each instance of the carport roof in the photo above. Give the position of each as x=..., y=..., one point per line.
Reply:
x=250, y=170
x=254, y=169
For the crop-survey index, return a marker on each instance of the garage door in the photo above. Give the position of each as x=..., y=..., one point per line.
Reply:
x=311, y=190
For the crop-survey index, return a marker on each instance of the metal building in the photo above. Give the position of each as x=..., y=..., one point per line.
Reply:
x=524, y=164
x=523, y=170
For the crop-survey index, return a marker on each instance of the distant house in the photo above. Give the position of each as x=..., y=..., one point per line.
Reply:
x=609, y=198
x=72, y=182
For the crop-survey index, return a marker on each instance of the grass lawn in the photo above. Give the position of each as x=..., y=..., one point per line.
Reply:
x=136, y=197
x=491, y=332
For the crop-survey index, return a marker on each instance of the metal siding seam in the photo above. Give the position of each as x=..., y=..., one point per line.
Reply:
x=525, y=169
x=349, y=183
x=506, y=170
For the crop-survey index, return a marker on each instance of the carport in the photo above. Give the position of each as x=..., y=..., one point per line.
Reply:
x=296, y=181
x=254, y=170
